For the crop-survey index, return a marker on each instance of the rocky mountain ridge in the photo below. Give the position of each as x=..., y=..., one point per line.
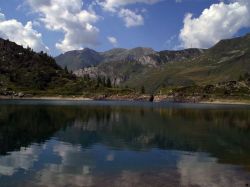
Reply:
x=119, y=64
x=125, y=66
x=226, y=61
x=80, y=59
x=133, y=68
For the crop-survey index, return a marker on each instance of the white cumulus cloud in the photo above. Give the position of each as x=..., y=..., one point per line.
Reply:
x=217, y=22
x=21, y=34
x=130, y=18
x=69, y=17
x=112, y=40
x=112, y=5
x=23, y=159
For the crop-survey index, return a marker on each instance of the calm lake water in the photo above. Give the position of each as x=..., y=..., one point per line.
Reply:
x=120, y=144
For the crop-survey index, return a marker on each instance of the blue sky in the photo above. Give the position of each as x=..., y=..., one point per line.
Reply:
x=61, y=25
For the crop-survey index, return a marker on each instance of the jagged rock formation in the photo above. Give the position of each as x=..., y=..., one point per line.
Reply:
x=80, y=59
x=119, y=64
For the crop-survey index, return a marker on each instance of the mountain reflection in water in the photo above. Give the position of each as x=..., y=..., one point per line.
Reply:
x=102, y=145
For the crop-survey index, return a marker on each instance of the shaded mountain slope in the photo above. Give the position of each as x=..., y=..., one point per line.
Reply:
x=79, y=59
x=24, y=68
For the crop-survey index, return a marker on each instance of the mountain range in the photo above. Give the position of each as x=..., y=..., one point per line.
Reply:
x=119, y=64
x=80, y=59
x=24, y=70
x=138, y=67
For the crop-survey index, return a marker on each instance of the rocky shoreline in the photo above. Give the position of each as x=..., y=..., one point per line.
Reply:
x=138, y=98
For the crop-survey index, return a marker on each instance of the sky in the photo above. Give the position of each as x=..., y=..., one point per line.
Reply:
x=58, y=26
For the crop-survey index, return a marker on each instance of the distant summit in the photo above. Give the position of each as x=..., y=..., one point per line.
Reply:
x=80, y=59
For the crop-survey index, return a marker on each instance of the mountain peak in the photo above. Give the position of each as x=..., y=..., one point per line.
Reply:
x=78, y=59
x=87, y=49
x=226, y=45
x=142, y=51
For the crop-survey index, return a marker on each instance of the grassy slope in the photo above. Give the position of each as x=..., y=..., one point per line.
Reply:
x=224, y=62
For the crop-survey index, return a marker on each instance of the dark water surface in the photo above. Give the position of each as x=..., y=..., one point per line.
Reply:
x=63, y=143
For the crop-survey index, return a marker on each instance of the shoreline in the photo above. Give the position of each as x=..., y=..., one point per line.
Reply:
x=141, y=98
x=47, y=98
x=226, y=102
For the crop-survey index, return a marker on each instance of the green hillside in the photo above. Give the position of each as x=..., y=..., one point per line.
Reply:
x=226, y=61
x=23, y=71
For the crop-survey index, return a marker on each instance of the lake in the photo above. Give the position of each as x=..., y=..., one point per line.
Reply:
x=123, y=144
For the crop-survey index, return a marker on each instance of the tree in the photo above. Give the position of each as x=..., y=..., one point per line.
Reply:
x=29, y=49
x=66, y=69
x=41, y=80
x=109, y=85
x=99, y=81
x=104, y=81
x=13, y=77
x=86, y=77
x=246, y=75
x=241, y=78
x=142, y=90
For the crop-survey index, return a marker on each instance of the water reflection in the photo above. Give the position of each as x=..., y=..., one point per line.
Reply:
x=73, y=168
x=200, y=170
x=123, y=146
x=17, y=160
